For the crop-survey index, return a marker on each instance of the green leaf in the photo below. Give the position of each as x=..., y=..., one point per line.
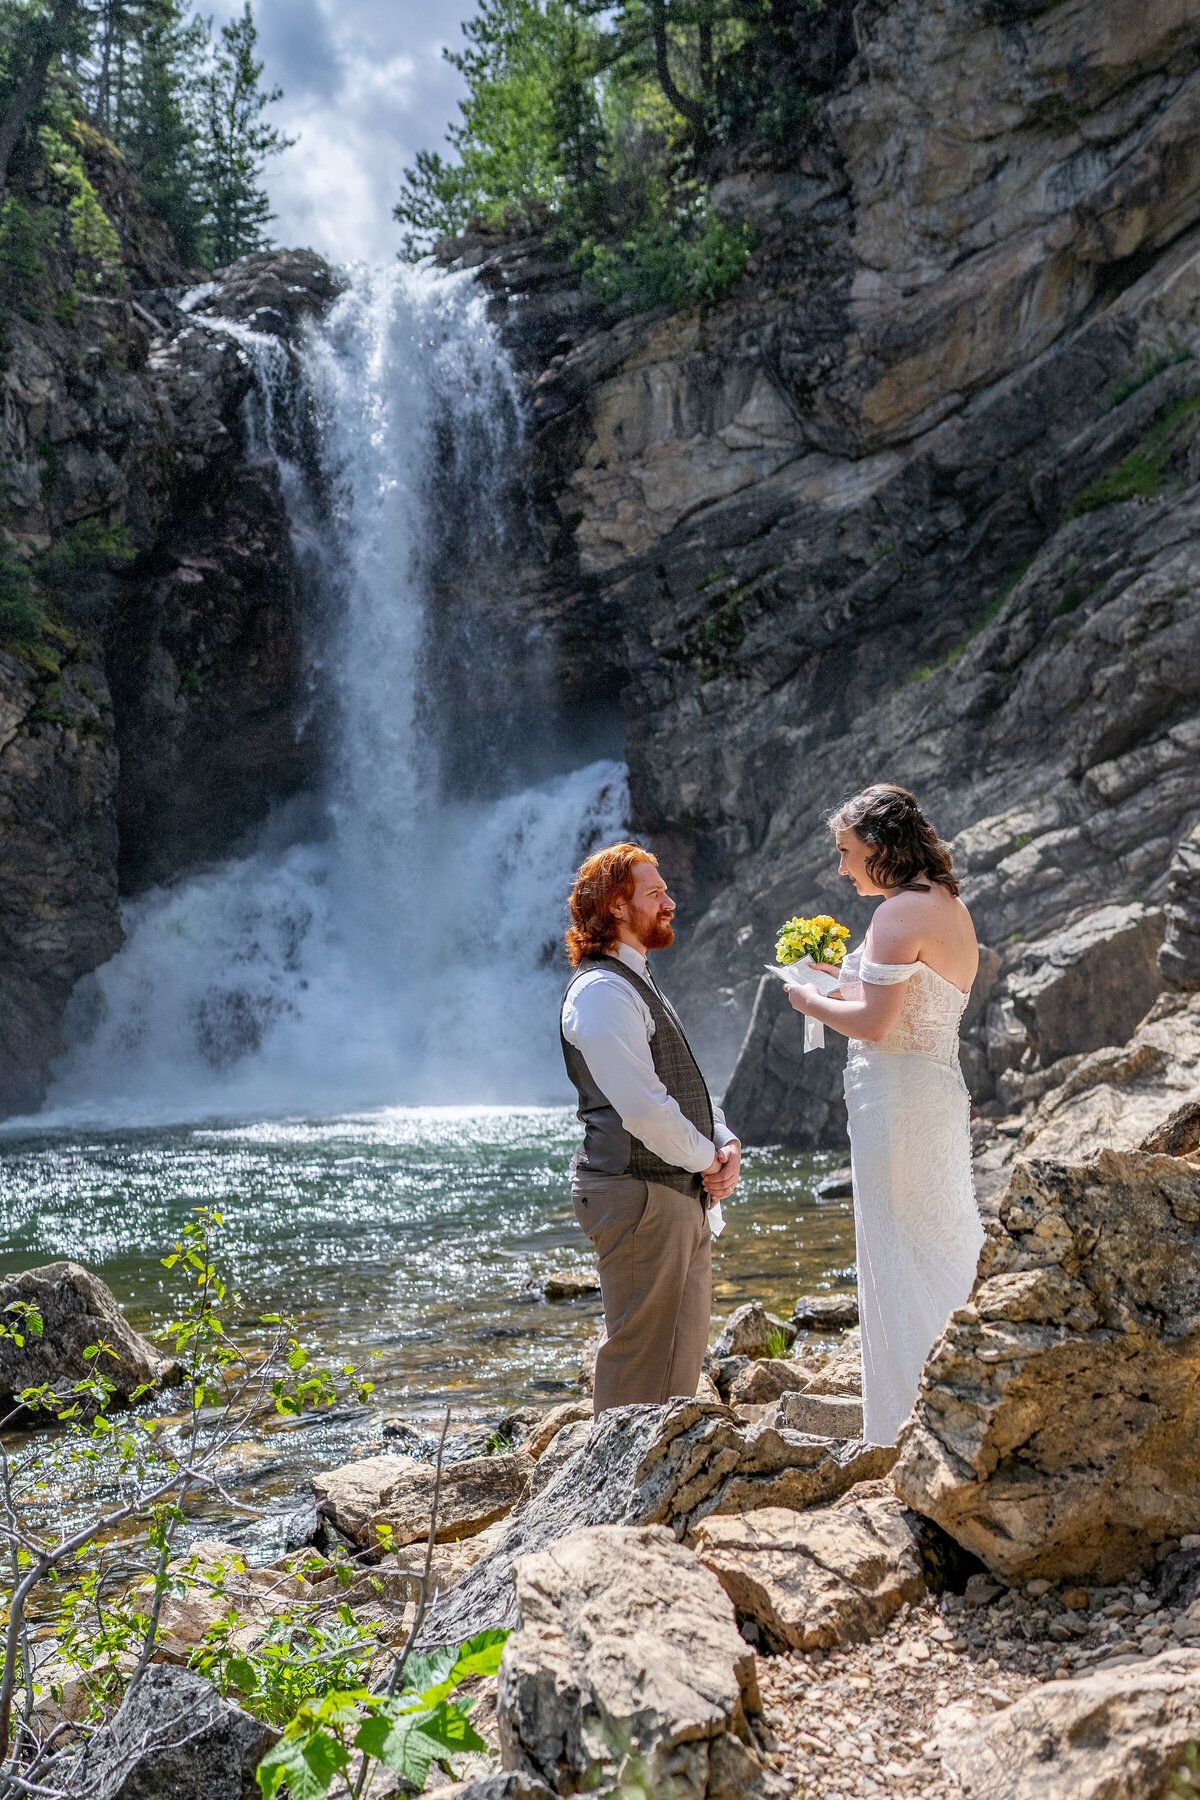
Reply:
x=308, y=1765
x=436, y=1675
x=410, y=1742
x=241, y=1674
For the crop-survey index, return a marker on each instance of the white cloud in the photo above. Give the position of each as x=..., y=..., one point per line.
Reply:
x=365, y=87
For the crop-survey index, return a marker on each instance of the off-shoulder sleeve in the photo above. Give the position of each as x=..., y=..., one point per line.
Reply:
x=886, y=974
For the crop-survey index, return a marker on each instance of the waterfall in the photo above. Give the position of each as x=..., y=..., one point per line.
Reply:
x=401, y=951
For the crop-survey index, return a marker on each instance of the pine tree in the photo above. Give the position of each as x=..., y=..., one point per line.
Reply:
x=236, y=142
x=159, y=132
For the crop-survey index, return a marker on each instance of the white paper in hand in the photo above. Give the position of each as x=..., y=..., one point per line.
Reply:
x=716, y=1218
x=805, y=974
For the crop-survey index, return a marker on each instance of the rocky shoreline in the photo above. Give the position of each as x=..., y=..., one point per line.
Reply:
x=746, y=1604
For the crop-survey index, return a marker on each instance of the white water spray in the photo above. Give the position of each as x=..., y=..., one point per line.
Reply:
x=404, y=955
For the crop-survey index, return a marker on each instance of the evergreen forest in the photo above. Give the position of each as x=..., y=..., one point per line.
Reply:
x=607, y=128
x=130, y=88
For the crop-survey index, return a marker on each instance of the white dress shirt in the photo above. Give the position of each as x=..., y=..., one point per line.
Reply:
x=609, y=1023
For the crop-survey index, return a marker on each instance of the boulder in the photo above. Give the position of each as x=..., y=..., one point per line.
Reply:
x=551, y=1423
x=640, y=1465
x=765, y=1379
x=397, y=1492
x=1179, y=956
x=842, y=1373
x=1091, y=984
x=174, y=1735
x=77, y=1311
x=562, y=1448
x=824, y=1415
x=401, y=1573
x=750, y=1330
x=1127, y=1097
x=571, y=1284
x=825, y=1312
x=1121, y=1734
x=815, y=1580
x=1057, y=1430
x=837, y=1185
x=627, y=1670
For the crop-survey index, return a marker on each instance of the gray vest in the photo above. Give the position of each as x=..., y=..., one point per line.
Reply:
x=607, y=1148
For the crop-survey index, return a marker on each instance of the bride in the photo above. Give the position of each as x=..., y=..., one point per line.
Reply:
x=899, y=1000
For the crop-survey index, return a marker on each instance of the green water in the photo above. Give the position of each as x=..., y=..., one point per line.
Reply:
x=408, y=1232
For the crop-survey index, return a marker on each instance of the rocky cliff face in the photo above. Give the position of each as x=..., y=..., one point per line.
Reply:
x=918, y=502
x=161, y=714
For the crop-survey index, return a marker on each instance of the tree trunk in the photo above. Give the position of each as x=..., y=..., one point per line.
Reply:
x=46, y=44
x=706, y=58
x=690, y=109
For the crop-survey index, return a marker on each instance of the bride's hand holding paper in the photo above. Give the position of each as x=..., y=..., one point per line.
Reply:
x=808, y=952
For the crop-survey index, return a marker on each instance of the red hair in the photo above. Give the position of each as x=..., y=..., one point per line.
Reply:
x=604, y=878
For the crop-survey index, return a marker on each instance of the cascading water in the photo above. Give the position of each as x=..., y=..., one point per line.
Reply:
x=398, y=954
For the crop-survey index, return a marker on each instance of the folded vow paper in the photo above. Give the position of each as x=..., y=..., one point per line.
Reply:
x=805, y=974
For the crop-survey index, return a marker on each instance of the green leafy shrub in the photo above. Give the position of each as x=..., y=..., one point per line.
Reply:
x=407, y=1731
x=82, y=548
x=693, y=258
x=92, y=233
x=22, y=611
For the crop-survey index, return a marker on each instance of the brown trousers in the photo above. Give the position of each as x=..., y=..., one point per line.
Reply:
x=655, y=1252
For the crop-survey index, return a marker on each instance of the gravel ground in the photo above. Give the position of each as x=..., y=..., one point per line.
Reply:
x=870, y=1720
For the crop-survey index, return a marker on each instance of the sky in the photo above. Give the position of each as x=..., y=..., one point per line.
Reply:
x=365, y=87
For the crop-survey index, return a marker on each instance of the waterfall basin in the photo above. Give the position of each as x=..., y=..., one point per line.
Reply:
x=411, y=1241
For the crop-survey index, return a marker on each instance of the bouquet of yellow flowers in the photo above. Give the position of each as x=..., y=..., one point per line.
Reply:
x=821, y=938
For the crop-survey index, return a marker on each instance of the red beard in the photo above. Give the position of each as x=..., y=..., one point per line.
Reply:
x=654, y=931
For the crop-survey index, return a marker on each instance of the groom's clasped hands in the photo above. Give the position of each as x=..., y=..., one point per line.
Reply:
x=721, y=1176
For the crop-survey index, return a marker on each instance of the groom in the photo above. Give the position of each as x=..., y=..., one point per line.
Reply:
x=656, y=1151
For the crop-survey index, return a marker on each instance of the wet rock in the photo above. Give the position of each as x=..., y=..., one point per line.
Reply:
x=175, y=1736
x=78, y=1311
x=825, y=1312
x=1179, y=957
x=751, y=1330
x=1091, y=984
x=815, y=1580
x=824, y=1415
x=397, y=1492
x=571, y=1284
x=274, y=290
x=1122, y=1735
x=1083, y=1331
x=1144, y=1094
x=837, y=1185
x=765, y=1379
x=671, y=1465
x=627, y=1664
x=552, y=1423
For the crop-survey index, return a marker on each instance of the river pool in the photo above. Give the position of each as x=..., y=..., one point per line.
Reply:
x=413, y=1233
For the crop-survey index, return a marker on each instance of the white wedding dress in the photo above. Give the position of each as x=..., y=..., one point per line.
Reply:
x=916, y=1222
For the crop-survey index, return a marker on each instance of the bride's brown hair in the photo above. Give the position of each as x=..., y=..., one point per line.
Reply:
x=906, y=851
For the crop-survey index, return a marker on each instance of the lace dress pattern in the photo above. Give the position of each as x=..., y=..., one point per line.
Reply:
x=916, y=1221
